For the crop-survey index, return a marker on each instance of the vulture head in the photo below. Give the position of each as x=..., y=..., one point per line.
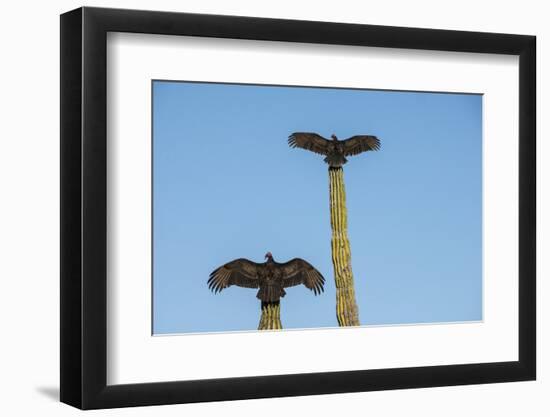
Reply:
x=269, y=256
x=333, y=136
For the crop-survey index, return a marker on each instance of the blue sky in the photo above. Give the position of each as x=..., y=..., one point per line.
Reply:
x=226, y=185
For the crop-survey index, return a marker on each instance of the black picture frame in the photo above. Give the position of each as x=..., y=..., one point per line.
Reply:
x=84, y=207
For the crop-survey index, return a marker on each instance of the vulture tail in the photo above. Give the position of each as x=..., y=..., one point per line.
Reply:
x=270, y=293
x=335, y=160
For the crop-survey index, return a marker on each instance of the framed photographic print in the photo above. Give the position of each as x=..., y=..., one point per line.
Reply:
x=259, y=207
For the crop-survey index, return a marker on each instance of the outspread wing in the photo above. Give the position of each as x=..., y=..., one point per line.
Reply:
x=241, y=272
x=297, y=271
x=310, y=141
x=360, y=143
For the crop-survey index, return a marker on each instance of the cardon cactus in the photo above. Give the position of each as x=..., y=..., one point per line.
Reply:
x=347, y=312
x=271, y=316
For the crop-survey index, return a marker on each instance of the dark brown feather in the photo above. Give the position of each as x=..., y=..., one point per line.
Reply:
x=240, y=272
x=360, y=143
x=297, y=271
x=310, y=141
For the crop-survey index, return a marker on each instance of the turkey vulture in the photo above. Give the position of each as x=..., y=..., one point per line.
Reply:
x=335, y=150
x=270, y=277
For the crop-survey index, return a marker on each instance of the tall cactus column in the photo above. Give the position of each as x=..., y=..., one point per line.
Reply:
x=271, y=316
x=346, y=305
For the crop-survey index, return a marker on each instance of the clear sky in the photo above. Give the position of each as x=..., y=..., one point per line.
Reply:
x=226, y=186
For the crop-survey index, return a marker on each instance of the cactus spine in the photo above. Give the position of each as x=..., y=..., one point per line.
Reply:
x=271, y=316
x=347, y=312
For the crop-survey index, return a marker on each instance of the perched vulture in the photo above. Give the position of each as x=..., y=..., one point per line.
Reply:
x=270, y=277
x=335, y=150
